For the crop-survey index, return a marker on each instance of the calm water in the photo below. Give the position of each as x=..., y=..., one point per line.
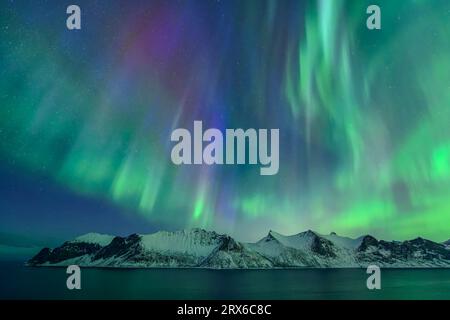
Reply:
x=18, y=281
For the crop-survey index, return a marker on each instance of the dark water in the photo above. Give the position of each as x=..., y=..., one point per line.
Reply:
x=18, y=281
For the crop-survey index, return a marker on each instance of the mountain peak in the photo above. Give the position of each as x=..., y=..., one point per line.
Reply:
x=366, y=242
x=273, y=233
x=197, y=230
x=308, y=233
x=95, y=238
x=417, y=240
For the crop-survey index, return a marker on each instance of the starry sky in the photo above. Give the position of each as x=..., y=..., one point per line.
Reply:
x=86, y=116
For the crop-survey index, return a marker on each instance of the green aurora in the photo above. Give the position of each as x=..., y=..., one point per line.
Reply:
x=364, y=116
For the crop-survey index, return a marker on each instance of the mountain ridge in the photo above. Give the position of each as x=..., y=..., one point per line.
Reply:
x=199, y=248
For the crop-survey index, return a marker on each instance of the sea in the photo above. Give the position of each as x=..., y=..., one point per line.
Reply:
x=18, y=281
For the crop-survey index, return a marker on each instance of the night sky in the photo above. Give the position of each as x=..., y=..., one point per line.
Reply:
x=86, y=116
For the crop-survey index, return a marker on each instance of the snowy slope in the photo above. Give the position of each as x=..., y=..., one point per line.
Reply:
x=415, y=253
x=196, y=242
x=301, y=241
x=274, y=249
x=344, y=242
x=95, y=238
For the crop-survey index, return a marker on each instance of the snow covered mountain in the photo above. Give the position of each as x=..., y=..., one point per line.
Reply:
x=186, y=248
x=208, y=249
x=307, y=249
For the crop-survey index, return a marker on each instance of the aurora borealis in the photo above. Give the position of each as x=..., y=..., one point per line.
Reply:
x=364, y=116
